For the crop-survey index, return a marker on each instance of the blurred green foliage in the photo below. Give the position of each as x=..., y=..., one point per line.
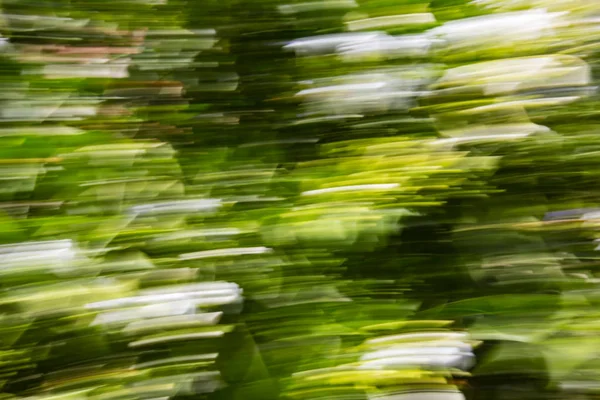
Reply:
x=330, y=199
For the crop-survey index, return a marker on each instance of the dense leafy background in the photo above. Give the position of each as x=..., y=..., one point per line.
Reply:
x=331, y=199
